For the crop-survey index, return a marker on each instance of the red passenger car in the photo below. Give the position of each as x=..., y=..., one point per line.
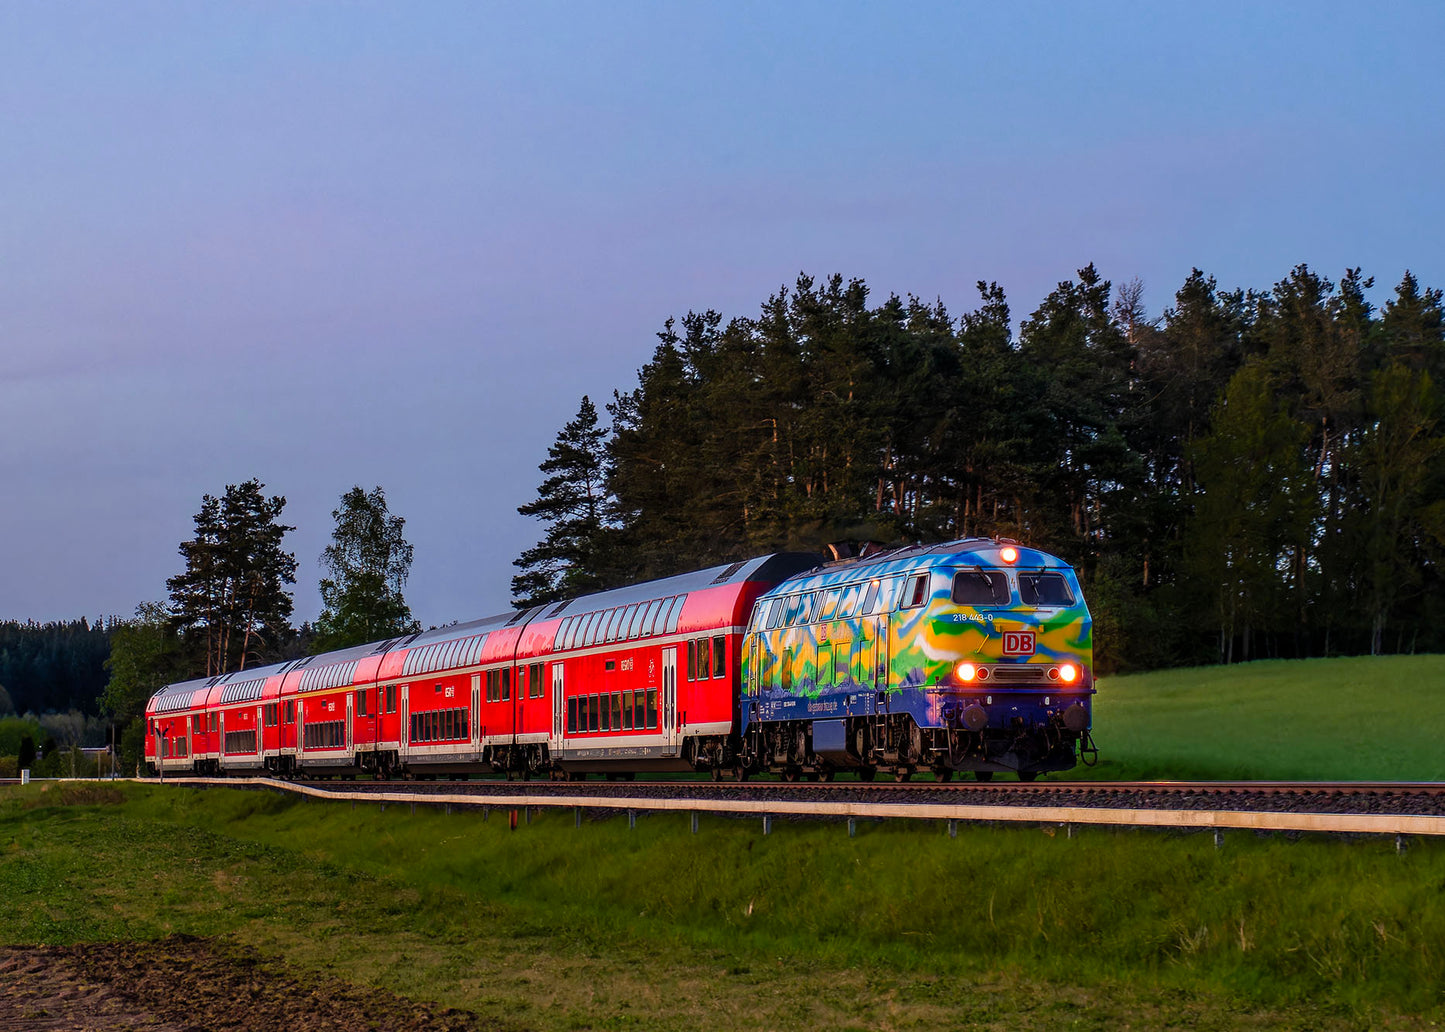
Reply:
x=640, y=678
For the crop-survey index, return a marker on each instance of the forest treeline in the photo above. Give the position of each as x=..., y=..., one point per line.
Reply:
x=1252, y=473
x=52, y=667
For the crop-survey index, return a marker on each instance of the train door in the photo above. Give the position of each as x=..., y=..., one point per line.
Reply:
x=752, y=685
x=880, y=655
x=476, y=720
x=350, y=718
x=403, y=732
x=559, y=704
x=223, y=738
x=668, y=715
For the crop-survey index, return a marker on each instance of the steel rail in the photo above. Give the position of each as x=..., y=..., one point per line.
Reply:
x=1217, y=819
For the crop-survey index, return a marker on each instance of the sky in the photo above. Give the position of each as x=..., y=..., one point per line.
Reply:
x=329, y=244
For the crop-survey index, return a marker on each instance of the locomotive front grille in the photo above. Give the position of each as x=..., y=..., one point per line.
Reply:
x=1019, y=674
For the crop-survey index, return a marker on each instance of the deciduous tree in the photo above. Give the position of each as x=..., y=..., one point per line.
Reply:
x=369, y=560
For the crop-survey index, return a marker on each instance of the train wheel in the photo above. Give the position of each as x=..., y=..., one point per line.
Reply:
x=903, y=774
x=983, y=775
x=717, y=773
x=792, y=774
x=943, y=775
x=1028, y=775
x=740, y=773
x=867, y=773
x=828, y=775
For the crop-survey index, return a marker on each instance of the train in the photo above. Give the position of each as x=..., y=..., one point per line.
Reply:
x=972, y=656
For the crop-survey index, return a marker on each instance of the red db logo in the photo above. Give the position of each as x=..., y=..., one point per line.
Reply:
x=1018, y=643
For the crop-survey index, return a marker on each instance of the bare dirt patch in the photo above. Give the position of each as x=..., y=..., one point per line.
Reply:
x=185, y=984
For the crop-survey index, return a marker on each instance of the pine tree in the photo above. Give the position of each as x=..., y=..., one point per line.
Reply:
x=231, y=601
x=573, y=503
x=369, y=560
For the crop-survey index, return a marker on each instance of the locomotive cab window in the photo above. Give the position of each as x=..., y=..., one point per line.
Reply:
x=1044, y=589
x=915, y=593
x=980, y=588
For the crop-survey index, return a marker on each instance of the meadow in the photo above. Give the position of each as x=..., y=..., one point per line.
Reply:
x=556, y=927
x=1362, y=718
x=552, y=926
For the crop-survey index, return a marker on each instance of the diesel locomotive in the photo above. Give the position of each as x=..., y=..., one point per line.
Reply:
x=975, y=655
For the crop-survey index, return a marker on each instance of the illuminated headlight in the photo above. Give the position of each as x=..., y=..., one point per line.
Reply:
x=1068, y=673
x=966, y=671
x=1009, y=554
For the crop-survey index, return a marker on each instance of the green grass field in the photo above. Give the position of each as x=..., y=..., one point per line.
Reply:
x=1362, y=718
x=556, y=927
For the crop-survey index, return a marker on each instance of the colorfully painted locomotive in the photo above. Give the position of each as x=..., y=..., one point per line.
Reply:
x=973, y=655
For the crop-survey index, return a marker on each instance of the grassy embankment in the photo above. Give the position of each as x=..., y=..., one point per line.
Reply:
x=1363, y=718
x=604, y=927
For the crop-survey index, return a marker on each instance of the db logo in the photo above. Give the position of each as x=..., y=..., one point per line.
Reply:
x=1018, y=643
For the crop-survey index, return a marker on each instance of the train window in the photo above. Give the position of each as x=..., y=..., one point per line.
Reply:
x=634, y=620
x=850, y=601
x=617, y=711
x=692, y=661
x=593, y=720
x=391, y=698
x=652, y=707
x=605, y=702
x=290, y=716
x=870, y=600
x=572, y=715
x=916, y=592
x=778, y=608
x=675, y=613
x=719, y=647
x=805, y=608
x=536, y=684
x=627, y=711
x=639, y=711
x=649, y=617
x=980, y=588
x=704, y=666
x=361, y=702
x=790, y=610
x=1044, y=589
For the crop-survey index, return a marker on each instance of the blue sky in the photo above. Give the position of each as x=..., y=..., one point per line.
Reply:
x=337, y=244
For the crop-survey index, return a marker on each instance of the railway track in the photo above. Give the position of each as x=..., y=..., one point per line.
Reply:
x=1400, y=809
x=1370, y=808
